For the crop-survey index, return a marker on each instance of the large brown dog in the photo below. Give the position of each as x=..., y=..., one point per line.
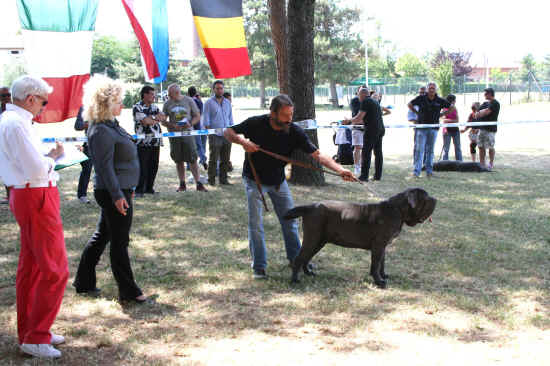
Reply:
x=366, y=226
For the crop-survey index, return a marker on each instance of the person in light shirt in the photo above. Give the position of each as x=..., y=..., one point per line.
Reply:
x=42, y=272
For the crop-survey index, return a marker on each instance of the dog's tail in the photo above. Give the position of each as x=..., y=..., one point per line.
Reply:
x=298, y=211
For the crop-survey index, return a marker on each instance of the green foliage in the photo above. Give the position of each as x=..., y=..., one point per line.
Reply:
x=498, y=76
x=338, y=50
x=13, y=70
x=107, y=52
x=528, y=66
x=260, y=45
x=546, y=67
x=443, y=76
x=409, y=65
x=132, y=94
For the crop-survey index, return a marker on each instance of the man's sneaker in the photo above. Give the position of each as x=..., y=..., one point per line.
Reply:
x=40, y=350
x=363, y=178
x=182, y=187
x=259, y=274
x=84, y=199
x=57, y=339
x=205, y=166
x=201, y=187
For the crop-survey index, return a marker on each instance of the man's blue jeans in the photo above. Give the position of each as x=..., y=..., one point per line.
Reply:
x=455, y=136
x=424, y=145
x=282, y=202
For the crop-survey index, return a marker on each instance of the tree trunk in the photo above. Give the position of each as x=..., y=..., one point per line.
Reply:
x=333, y=94
x=301, y=81
x=262, y=94
x=279, y=33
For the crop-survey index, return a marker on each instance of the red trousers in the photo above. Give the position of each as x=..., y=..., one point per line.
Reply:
x=43, y=272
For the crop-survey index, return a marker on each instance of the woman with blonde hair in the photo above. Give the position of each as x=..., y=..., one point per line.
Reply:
x=115, y=160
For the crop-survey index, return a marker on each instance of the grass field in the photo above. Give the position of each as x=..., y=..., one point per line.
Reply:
x=471, y=288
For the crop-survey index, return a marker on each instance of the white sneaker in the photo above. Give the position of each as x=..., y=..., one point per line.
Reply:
x=40, y=350
x=57, y=339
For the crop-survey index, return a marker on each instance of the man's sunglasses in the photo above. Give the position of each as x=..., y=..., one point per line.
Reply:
x=5, y=95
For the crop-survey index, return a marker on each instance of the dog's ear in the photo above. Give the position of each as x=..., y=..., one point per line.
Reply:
x=412, y=198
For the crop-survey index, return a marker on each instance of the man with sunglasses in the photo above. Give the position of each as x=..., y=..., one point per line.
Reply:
x=42, y=271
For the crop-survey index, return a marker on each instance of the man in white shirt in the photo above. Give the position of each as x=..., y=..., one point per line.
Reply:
x=42, y=272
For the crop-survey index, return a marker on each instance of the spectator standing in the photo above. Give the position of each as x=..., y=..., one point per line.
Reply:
x=412, y=116
x=147, y=118
x=218, y=113
x=5, y=99
x=115, y=159
x=84, y=179
x=357, y=132
x=370, y=115
x=227, y=95
x=183, y=114
x=429, y=112
x=42, y=271
x=451, y=132
x=276, y=133
x=488, y=112
x=474, y=133
x=200, y=140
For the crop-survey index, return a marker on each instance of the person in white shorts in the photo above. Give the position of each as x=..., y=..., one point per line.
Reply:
x=357, y=132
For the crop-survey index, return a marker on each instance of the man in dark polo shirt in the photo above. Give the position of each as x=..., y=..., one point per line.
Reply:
x=429, y=112
x=370, y=115
x=488, y=112
x=273, y=132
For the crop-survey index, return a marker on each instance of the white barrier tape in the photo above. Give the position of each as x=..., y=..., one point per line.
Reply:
x=307, y=124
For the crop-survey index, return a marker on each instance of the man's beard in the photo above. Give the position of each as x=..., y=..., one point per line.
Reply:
x=285, y=127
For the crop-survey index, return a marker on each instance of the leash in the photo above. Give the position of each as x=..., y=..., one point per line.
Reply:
x=293, y=162
x=257, y=179
x=302, y=164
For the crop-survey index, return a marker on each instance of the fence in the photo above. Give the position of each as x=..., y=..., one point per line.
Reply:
x=402, y=90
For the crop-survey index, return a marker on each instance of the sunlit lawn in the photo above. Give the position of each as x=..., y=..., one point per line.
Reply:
x=470, y=288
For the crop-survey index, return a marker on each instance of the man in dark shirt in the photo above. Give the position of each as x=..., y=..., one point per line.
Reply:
x=429, y=112
x=488, y=112
x=370, y=115
x=357, y=135
x=273, y=132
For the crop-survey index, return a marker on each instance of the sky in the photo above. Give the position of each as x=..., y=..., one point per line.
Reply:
x=503, y=31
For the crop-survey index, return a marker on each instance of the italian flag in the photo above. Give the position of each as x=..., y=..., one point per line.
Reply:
x=58, y=37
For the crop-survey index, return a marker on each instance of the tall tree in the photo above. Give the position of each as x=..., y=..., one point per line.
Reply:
x=107, y=51
x=279, y=33
x=443, y=75
x=528, y=67
x=338, y=49
x=260, y=45
x=411, y=66
x=460, y=61
x=301, y=79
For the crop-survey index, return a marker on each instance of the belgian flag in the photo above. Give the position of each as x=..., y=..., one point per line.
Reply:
x=221, y=31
